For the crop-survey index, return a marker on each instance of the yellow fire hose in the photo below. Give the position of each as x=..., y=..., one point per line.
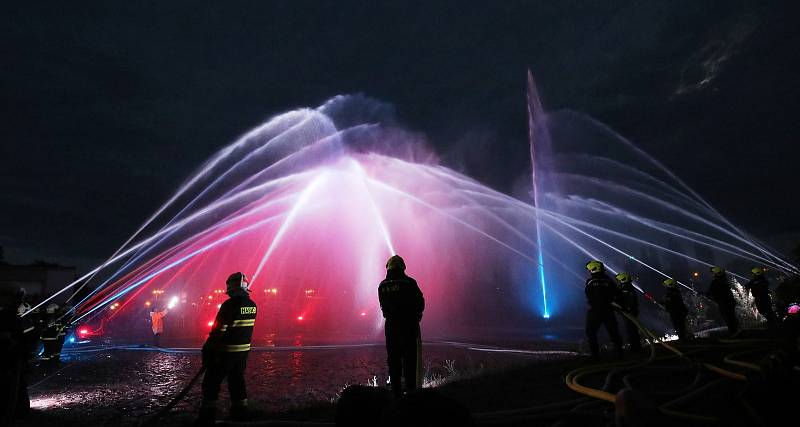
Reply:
x=713, y=368
x=730, y=359
x=573, y=376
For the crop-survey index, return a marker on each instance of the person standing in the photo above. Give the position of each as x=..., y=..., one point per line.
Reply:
x=629, y=302
x=673, y=302
x=226, y=349
x=157, y=324
x=12, y=357
x=62, y=331
x=50, y=334
x=402, y=304
x=721, y=293
x=758, y=286
x=601, y=292
x=17, y=336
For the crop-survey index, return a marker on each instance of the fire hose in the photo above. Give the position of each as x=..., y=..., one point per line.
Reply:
x=175, y=400
x=572, y=377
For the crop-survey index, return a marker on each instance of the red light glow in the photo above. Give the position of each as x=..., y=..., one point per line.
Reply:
x=299, y=317
x=83, y=331
x=363, y=313
x=211, y=323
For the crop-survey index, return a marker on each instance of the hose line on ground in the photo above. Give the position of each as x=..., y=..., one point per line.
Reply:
x=175, y=400
x=710, y=367
x=729, y=359
x=573, y=376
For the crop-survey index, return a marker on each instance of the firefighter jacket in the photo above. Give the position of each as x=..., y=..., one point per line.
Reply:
x=40, y=321
x=10, y=339
x=400, y=298
x=673, y=302
x=720, y=291
x=628, y=299
x=759, y=287
x=53, y=331
x=17, y=337
x=601, y=291
x=232, y=330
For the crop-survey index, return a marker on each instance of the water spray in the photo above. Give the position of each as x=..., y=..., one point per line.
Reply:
x=301, y=201
x=168, y=231
x=717, y=244
x=205, y=169
x=176, y=263
x=676, y=209
x=285, y=176
x=207, y=210
x=454, y=218
x=534, y=108
x=700, y=199
x=378, y=217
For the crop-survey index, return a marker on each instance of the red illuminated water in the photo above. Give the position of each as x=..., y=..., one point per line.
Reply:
x=311, y=203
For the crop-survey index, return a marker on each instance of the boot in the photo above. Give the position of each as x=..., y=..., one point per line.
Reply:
x=239, y=410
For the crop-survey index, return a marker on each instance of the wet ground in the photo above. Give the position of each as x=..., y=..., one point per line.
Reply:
x=122, y=385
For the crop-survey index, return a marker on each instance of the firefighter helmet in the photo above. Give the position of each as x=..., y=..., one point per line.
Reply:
x=23, y=308
x=395, y=262
x=237, y=280
x=757, y=271
x=623, y=278
x=595, y=266
x=670, y=283
x=718, y=271
x=51, y=308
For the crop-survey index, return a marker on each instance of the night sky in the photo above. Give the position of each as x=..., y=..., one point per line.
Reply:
x=108, y=106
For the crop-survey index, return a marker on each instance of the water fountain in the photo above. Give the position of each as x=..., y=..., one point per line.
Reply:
x=311, y=203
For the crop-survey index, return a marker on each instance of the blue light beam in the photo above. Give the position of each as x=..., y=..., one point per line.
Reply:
x=534, y=112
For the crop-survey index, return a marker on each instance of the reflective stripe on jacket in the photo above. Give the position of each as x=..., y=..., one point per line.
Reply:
x=233, y=327
x=52, y=332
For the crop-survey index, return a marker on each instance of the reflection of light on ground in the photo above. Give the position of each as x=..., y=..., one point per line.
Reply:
x=131, y=380
x=535, y=352
x=59, y=399
x=297, y=365
x=44, y=403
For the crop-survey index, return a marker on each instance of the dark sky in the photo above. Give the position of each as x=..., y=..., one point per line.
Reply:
x=108, y=106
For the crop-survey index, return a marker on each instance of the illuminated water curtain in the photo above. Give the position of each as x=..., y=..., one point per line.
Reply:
x=312, y=203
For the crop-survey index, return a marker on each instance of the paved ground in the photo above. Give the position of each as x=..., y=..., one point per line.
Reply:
x=123, y=384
